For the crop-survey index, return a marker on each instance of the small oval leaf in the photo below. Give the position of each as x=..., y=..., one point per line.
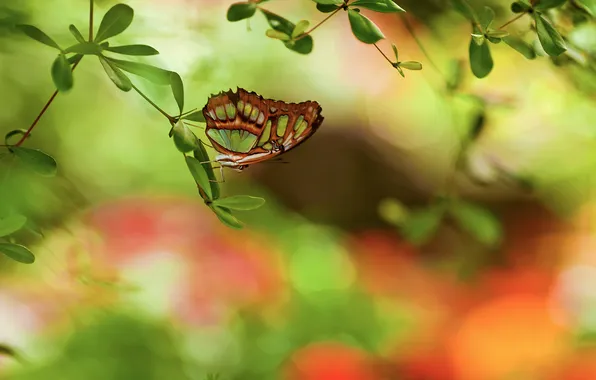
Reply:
x=240, y=202
x=422, y=224
x=382, y=6
x=116, y=20
x=11, y=224
x=39, y=36
x=481, y=62
x=200, y=175
x=195, y=116
x=17, y=253
x=135, y=50
x=520, y=46
x=201, y=154
x=364, y=29
x=226, y=217
x=327, y=8
x=551, y=41
x=184, y=139
x=62, y=74
x=300, y=28
x=478, y=222
x=177, y=90
x=76, y=33
x=241, y=11
x=85, y=48
x=36, y=160
x=411, y=65
x=151, y=73
x=116, y=75
x=272, y=33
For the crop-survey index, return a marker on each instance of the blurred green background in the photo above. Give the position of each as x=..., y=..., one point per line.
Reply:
x=136, y=279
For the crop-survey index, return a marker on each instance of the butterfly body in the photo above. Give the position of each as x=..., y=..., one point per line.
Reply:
x=245, y=129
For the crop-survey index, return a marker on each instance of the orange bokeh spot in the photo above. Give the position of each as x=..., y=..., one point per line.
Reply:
x=330, y=361
x=508, y=336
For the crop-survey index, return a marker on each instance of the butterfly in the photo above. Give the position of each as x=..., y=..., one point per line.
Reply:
x=245, y=129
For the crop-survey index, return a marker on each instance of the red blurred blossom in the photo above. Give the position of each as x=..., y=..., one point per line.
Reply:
x=580, y=367
x=330, y=361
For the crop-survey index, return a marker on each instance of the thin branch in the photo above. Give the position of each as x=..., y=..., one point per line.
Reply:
x=319, y=24
x=512, y=20
x=90, y=20
x=43, y=111
x=384, y=55
x=170, y=118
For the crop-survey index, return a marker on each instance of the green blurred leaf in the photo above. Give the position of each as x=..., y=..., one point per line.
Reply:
x=85, y=48
x=497, y=33
x=383, y=6
x=551, y=41
x=226, y=217
x=481, y=62
x=272, y=33
x=455, y=74
x=116, y=20
x=464, y=9
x=478, y=125
x=486, y=18
x=364, y=29
x=200, y=175
x=39, y=36
x=520, y=46
x=240, y=202
x=241, y=11
x=13, y=133
x=62, y=74
x=36, y=160
x=588, y=6
x=137, y=50
x=11, y=224
x=151, y=73
x=300, y=28
x=520, y=7
x=421, y=224
x=478, y=222
x=76, y=33
x=177, y=89
x=393, y=211
x=195, y=116
x=328, y=2
x=118, y=77
x=542, y=5
x=17, y=253
x=326, y=8
x=184, y=139
x=74, y=59
x=395, y=52
x=201, y=154
x=411, y=65
x=478, y=38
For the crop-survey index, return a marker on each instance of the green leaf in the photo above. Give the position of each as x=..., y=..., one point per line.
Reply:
x=272, y=33
x=422, y=224
x=138, y=50
x=520, y=46
x=303, y=45
x=36, y=160
x=177, y=90
x=463, y=8
x=300, y=28
x=184, y=139
x=151, y=73
x=195, y=116
x=383, y=6
x=328, y=2
x=76, y=33
x=115, y=21
x=455, y=74
x=543, y=5
x=118, y=77
x=520, y=7
x=479, y=39
x=62, y=74
x=551, y=41
x=411, y=65
x=395, y=52
x=478, y=222
x=17, y=253
x=84, y=48
x=13, y=133
x=38, y=35
x=588, y=6
x=486, y=18
x=326, y=8
x=201, y=154
x=11, y=224
x=481, y=62
x=478, y=125
x=393, y=212
x=240, y=202
x=364, y=29
x=226, y=217
x=497, y=33
x=74, y=59
x=200, y=175
x=241, y=11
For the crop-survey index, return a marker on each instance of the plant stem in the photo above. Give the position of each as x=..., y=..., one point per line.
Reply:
x=383, y=54
x=170, y=118
x=420, y=46
x=43, y=111
x=512, y=20
x=90, y=20
x=319, y=24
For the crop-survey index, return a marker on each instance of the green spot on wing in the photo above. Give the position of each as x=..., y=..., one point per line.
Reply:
x=247, y=109
x=231, y=111
x=220, y=112
x=254, y=114
x=266, y=135
x=301, y=128
x=240, y=106
x=297, y=123
x=216, y=135
x=282, y=124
